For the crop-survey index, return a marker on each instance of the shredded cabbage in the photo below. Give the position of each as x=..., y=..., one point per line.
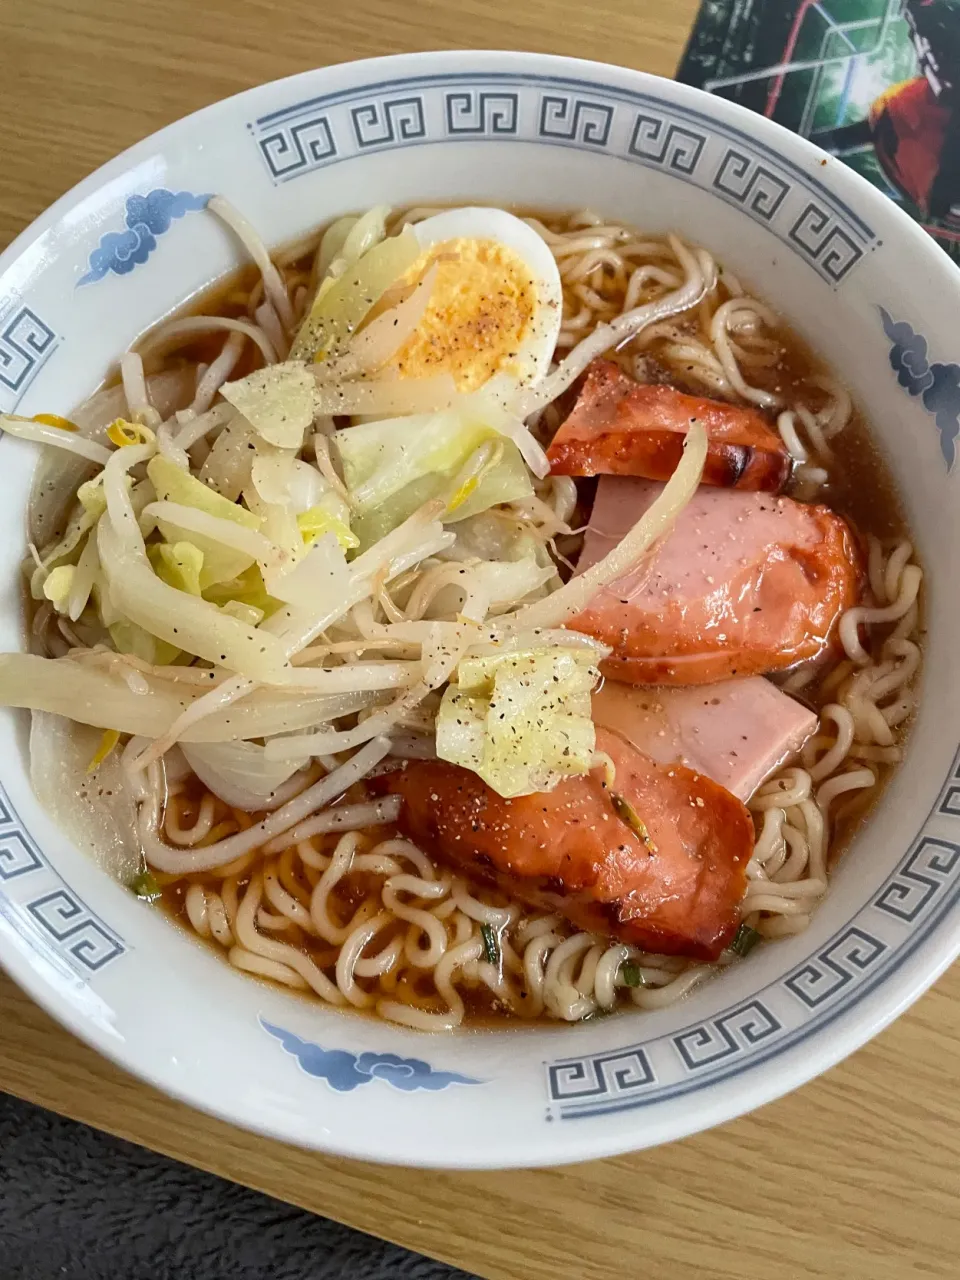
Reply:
x=278, y=402
x=304, y=497
x=393, y=467
x=189, y=622
x=321, y=571
x=67, y=551
x=495, y=535
x=179, y=565
x=57, y=586
x=520, y=720
x=127, y=637
x=331, y=246
x=85, y=575
x=326, y=518
x=248, y=613
x=247, y=589
x=374, y=398
x=91, y=497
x=173, y=484
x=279, y=524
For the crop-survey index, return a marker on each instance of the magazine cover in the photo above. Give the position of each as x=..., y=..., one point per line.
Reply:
x=875, y=82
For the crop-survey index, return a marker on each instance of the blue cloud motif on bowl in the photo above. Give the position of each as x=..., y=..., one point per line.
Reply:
x=345, y=1071
x=147, y=217
x=937, y=384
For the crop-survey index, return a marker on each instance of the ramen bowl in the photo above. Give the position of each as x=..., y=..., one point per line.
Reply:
x=852, y=275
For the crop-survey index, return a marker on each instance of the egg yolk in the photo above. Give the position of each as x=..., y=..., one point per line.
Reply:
x=481, y=308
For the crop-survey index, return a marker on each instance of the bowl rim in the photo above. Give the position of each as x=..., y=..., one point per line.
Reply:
x=854, y=1026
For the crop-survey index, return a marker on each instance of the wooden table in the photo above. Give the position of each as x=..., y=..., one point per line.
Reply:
x=854, y=1176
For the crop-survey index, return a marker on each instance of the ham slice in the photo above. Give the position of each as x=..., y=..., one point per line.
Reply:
x=677, y=890
x=625, y=428
x=744, y=583
x=737, y=732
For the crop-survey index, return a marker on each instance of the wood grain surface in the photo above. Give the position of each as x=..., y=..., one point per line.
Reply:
x=856, y=1176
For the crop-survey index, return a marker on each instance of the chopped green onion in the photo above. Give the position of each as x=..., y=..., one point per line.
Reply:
x=145, y=886
x=628, y=814
x=491, y=947
x=631, y=975
x=745, y=940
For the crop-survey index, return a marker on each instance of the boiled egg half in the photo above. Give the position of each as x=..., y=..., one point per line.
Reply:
x=494, y=305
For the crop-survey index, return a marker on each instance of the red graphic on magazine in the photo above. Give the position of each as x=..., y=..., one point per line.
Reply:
x=914, y=126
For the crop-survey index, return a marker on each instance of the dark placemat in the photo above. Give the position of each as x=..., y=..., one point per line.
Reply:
x=77, y=1204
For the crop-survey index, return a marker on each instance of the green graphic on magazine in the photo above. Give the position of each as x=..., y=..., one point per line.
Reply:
x=875, y=82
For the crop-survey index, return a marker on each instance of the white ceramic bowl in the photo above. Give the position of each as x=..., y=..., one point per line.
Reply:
x=853, y=275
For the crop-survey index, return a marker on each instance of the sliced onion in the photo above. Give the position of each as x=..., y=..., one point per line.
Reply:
x=228, y=465
x=239, y=773
x=327, y=741
x=279, y=478
x=98, y=810
x=319, y=575
x=386, y=398
x=120, y=512
x=384, y=336
x=92, y=693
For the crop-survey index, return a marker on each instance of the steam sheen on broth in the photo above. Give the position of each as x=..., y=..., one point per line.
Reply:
x=352, y=909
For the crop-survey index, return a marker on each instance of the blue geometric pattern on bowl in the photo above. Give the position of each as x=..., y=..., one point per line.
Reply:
x=41, y=908
x=147, y=217
x=26, y=343
x=938, y=385
x=345, y=1071
x=561, y=111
